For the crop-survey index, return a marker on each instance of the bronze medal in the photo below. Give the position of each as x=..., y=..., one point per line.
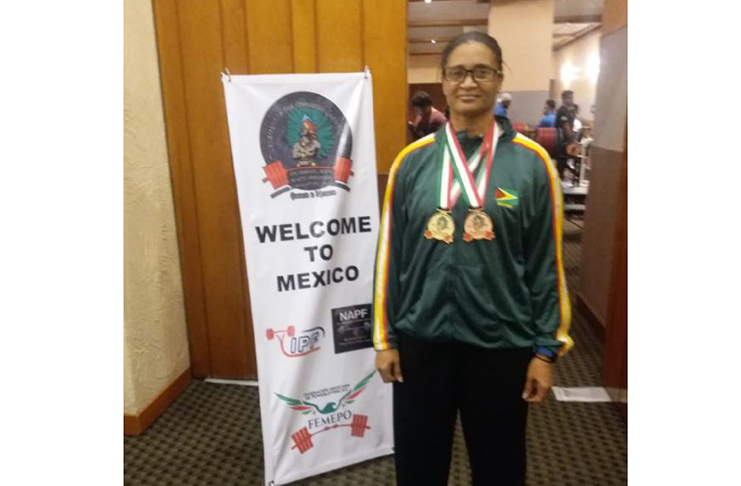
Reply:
x=440, y=227
x=478, y=226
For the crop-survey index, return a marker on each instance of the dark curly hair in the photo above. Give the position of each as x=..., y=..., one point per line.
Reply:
x=421, y=99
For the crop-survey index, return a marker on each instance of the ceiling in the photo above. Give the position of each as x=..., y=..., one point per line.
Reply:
x=568, y=32
x=441, y=20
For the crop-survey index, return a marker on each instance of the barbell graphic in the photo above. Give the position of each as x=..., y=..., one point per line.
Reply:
x=294, y=351
x=303, y=438
x=277, y=174
x=291, y=331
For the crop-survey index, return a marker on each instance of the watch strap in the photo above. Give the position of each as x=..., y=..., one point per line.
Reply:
x=546, y=353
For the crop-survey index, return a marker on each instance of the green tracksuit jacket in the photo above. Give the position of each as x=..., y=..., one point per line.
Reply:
x=509, y=292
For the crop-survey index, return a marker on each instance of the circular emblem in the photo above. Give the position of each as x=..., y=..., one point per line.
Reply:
x=306, y=142
x=440, y=227
x=478, y=226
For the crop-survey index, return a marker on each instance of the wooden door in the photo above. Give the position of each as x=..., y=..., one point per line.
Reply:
x=199, y=39
x=615, y=361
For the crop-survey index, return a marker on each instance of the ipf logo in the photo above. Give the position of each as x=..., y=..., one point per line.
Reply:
x=297, y=345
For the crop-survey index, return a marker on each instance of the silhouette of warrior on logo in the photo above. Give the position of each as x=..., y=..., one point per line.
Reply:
x=307, y=146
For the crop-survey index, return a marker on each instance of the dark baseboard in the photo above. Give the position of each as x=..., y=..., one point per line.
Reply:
x=615, y=394
x=137, y=424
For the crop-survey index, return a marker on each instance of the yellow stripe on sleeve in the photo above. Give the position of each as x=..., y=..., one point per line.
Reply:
x=562, y=333
x=380, y=324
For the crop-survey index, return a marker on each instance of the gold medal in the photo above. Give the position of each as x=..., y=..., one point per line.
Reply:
x=440, y=227
x=478, y=226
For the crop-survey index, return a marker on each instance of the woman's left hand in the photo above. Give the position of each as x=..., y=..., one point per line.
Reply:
x=539, y=381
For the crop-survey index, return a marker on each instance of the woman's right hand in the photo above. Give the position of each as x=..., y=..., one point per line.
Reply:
x=389, y=365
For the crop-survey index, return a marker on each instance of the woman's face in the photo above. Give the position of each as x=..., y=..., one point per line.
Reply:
x=468, y=97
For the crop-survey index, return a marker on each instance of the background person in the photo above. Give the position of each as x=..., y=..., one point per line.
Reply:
x=577, y=123
x=503, y=104
x=549, y=115
x=470, y=303
x=567, y=136
x=428, y=119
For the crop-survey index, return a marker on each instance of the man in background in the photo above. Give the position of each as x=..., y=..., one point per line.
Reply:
x=549, y=115
x=503, y=104
x=428, y=119
x=577, y=122
x=565, y=125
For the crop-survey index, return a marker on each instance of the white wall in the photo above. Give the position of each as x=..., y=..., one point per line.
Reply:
x=423, y=69
x=155, y=338
x=579, y=59
x=524, y=30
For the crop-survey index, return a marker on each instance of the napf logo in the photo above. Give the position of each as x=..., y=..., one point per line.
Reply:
x=295, y=346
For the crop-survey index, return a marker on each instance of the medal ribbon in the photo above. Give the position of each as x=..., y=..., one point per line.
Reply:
x=474, y=192
x=450, y=190
x=445, y=179
x=455, y=189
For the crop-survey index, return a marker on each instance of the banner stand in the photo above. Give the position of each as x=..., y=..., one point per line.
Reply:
x=304, y=159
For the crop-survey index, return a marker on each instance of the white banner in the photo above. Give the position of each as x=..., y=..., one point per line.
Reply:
x=305, y=166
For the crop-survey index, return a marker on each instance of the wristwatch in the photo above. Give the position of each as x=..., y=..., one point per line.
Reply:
x=546, y=353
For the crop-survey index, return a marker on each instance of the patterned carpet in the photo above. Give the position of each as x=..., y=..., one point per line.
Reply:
x=211, y=434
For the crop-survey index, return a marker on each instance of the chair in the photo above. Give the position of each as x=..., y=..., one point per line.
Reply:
x=520, y=127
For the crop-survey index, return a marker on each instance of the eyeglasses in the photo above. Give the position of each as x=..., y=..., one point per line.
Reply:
x=457, y=74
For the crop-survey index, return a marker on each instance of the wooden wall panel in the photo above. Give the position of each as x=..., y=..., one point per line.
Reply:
x=234, y=35
x=236, y=58
x=385, y=40
x=339, y=34
x=197, y=39
x=303, y=18
x=201, y=45
x=269, y=35
x=183, y=186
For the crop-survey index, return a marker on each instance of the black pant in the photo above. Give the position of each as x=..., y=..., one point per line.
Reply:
x=561, y=164
x=486, y=386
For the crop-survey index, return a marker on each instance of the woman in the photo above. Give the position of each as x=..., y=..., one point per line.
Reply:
x=470, y=306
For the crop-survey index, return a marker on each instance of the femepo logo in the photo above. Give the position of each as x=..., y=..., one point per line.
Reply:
x=296, y=345
x=331, y=415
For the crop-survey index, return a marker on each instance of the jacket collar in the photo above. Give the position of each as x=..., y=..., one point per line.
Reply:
x=507, y=135
x=508, y=132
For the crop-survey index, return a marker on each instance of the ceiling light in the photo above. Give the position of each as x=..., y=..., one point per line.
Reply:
x=433, y=41
x=428, y=1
